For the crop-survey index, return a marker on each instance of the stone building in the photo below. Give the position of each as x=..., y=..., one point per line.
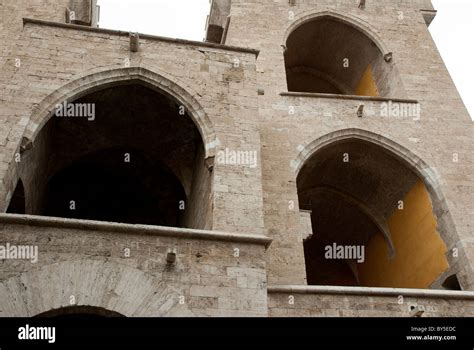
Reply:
x=308, y=158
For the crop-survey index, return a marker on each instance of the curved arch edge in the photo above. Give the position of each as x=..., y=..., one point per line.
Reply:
x=429, y=175
x=94, y=283
x=98, y=79
x=353, y=21
x=415, y=162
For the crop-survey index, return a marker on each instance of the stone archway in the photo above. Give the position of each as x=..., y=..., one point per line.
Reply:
x=148, y=136
x=89, y=83
x=353, y=21
x=89, y=283
x=332, y=53
x=100, y=79
x=400, y=155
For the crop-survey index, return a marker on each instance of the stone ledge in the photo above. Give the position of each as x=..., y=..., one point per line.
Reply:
x=347, y=97
x=89, y=225
x=364, y=291
x=142, y=36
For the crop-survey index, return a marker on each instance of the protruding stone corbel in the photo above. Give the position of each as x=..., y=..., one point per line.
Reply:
x=171, y=256
x=416, y=310
x=388, y=57
x=25, y=145
x=134, y=42
x=209, y=163
x=360, y=111
x=362, y=4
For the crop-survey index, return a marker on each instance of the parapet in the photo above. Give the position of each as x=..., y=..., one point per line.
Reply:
x=83, y=12
x=217, y=19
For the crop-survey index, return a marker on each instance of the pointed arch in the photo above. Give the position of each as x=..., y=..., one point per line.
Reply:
x=353, y=21
x=104, y=78
x=101, y=80
x=329, y=52
x=428, y=176
x=415, y=163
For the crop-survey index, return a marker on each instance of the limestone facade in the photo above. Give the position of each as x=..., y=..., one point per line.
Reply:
x=242, y=252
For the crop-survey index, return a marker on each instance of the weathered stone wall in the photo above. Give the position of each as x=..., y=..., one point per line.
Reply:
x=123, y=268
x=11, y=26
x=224, y=93
x=443, y=132
x=43, y=63
x=367, y=302
x=12, y=13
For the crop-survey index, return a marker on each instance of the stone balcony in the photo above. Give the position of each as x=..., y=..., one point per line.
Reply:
x=356, y=106
x=126, y=268
x=332, y=301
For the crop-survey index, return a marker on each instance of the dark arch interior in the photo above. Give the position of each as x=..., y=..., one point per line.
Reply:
x=102, y=186
x=73, y=312
x=326, y=55
x=137, y=160
x=17, y=202
x=350, y=187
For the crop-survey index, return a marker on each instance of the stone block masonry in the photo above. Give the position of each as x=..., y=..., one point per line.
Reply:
x=291, y=184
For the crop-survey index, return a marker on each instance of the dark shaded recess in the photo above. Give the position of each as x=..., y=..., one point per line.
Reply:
x=105, y=187
x=87, y=159
x=214, y=34
x=314, y=58
x=334, y=221
x=17, y=202
x=81, y=312
x=452, y=283
x=373, y=179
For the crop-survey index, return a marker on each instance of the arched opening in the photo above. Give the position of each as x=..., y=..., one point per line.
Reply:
x=79, y=312
x=17, y=202
x=328, y=55
x=125, y=153
x=372, y=219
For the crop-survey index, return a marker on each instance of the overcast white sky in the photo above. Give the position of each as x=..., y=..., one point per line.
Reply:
x=452, y=29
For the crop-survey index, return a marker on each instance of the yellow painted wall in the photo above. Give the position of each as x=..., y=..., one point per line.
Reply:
x=420, y=251
x=367, y=85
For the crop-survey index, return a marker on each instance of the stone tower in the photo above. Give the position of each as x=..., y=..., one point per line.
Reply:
x=309, y=158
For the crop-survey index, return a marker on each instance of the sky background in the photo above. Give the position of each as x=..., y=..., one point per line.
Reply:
x=452, y=29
